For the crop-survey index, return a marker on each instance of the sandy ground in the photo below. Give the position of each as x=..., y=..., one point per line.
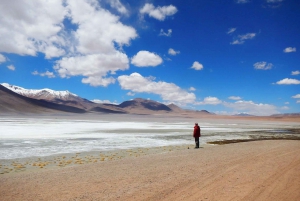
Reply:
x=260, y=170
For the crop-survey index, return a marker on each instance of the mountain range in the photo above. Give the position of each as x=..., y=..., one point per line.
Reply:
x=15, y=99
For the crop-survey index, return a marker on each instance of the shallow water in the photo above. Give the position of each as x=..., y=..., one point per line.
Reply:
x=27, y=137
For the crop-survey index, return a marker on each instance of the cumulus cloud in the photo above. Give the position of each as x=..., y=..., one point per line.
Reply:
x=94, y=44
x=145, y=59
x=173, y=52
x=159, y=13
x=289, y=49
x=252, y=108
x=2, y=58
x=118, y=6
x=168, y=91
x=274, y=1
x=231, y=30
x=234, y=98
x=11, y=67
x=30, y=27
x=93, y=67
x=95, y=54
x=210, y=101
x=98, y=29
x=45, y=74
x=130, y=93
x=242, y=38
x=263, y=65
x=288, y=81
x=168, y=34
x=197, y=66
x=285, y=108
x=296, y=72
x=296, y=96
x=192, y=89
x=242, y=1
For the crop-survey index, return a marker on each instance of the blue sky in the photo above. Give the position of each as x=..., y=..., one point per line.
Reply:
x=226, y=57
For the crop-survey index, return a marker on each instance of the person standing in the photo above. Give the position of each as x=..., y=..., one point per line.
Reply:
x=197, y=134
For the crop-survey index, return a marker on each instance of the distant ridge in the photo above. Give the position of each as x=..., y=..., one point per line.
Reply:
x=243, y=114
x=17, y=99
x=205, y=111
x=139, y=103
x=286, y=114
x=175, y=108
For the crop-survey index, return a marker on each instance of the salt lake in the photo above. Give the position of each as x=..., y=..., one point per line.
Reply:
x=22, y=137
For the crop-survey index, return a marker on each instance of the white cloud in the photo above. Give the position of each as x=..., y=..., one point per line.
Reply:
x=197, y=66
x=289, y=49
x=95, y=53
x=242, y=38
x=95, y=43
x=98, y=81
x=146, y=58
x=274, y=1
x=234, y=98
x=159, y=13
x=2, y=58
x=45, y=74
x=168, y=91
x=173, y=52
x=52, y=51
x=162, y=33
x=192, y=89
x=30, y=27
x=210, y=101
x=288, y=81
x=285, y=108
x=242, y=1
x=98, y=29
x=263, y=65
x=296, y=72
x=11, y=67
x=231, y=30
x=118, y=6
x=130, y=93
x=286, y=103
x=93, y=67
x=252, y=108
x=296, y=96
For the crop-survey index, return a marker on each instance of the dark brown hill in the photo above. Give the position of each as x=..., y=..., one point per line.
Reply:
x=143, y=104
x=175, y=108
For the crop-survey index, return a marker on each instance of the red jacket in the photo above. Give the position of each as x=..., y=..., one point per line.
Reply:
x=197, y=131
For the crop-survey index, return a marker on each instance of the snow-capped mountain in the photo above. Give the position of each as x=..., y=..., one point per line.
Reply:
x=45, y=94
x=64, y=98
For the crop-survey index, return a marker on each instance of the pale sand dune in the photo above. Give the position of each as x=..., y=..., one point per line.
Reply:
x=261, y=170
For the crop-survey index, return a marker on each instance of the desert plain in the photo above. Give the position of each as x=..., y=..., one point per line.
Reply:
x=266, y=167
